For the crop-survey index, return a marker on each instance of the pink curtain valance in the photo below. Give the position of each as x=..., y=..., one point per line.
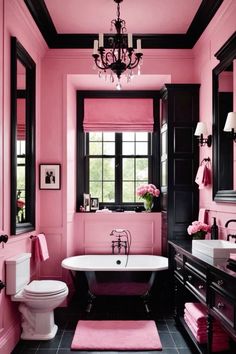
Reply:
x=118, y=114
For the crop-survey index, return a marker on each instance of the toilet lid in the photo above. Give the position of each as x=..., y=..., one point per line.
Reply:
x=45, y=287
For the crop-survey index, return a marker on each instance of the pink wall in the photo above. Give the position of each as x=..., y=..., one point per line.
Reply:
x=216, y=34
x=145, y=229
x=14, y=21
x=56, y=74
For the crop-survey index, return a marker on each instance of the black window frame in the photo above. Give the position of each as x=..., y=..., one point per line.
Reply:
x=82, y=166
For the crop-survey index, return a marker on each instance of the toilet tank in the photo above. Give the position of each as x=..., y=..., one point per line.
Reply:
x=17, y=272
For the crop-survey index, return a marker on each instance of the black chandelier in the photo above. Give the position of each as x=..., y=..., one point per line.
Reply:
x=120, y=54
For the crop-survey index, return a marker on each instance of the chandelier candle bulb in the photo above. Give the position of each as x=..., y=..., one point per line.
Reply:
x=95, y=46
x=130, y=40
x=139, y=48
x=101, y=40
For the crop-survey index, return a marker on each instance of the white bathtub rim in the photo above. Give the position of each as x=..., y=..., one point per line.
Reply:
x=159, y=263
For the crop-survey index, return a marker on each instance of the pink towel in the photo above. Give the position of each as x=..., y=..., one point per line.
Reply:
x=203, y=176
x=218, y=344
x=39, y=248
x=197, y=310
x=203, y=215
x=202, y=328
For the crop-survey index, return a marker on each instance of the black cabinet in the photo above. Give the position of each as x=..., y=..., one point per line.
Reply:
x=212, y=284
x=179, y=157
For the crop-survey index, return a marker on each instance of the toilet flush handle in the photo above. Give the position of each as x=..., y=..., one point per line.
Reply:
x=2, y=285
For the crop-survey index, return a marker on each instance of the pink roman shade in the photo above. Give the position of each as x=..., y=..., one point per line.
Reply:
x=118, y=114
x=21, y=114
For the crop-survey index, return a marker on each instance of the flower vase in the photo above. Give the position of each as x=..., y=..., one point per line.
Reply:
x=148, y=204
x=200, y=235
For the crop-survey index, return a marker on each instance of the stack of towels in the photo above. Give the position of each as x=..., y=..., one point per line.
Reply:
x=195, y=316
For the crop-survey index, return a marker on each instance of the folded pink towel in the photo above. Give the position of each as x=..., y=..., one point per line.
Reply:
x=197, y=311
x=39, y=248
x=218, y=344
x=201, y=329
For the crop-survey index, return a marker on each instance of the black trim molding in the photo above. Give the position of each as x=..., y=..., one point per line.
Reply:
x=53, y=39
x=222, y=151
x=81, y=173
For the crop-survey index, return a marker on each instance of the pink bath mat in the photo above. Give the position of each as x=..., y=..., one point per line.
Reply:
x=116, y=335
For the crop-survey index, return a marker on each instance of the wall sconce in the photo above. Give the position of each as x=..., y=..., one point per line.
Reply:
x=200, y=132
x=230, y=124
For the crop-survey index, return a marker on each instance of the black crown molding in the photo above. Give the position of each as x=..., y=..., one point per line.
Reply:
x=53, y=39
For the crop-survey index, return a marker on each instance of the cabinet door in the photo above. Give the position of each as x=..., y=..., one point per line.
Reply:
x=180, y=114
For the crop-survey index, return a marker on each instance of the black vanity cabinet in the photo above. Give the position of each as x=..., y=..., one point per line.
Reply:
x=209, y=282
x=179, y=159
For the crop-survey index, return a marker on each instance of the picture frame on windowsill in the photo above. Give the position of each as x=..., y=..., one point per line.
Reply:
x=87, y=202
x=94, y=204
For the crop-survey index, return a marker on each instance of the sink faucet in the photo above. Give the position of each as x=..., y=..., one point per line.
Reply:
x=119, y=243
x=226, y=225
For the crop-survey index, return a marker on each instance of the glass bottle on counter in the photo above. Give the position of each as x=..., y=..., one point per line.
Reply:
x=214, y=230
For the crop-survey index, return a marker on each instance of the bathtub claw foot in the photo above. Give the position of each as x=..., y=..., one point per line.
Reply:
x=91, y=298
x=145, y=298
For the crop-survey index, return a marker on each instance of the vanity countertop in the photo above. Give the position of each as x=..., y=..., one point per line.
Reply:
x=215, y=263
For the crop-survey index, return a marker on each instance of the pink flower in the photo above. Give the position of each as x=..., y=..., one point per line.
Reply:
x=197, y=226
x=147, y=191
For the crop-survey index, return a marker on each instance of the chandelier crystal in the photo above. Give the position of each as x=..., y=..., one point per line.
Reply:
x=120, y=54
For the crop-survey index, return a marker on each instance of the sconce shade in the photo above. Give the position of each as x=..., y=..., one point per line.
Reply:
x=201, y=129
x=230, y=122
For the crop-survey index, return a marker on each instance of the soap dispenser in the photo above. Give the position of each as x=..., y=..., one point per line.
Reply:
x=214, y=230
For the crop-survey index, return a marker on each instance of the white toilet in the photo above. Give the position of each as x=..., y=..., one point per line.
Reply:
x=38, y=298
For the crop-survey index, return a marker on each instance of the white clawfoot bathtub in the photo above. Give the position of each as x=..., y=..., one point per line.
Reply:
x=131, y=275
x=115, y=263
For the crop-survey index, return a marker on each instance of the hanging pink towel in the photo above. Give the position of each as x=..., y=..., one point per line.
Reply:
x=203, y=215
x=203, y=176
x=39, y=248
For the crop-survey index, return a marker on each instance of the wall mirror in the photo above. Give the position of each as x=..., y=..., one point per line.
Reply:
x=22, y=139
x=224, y=189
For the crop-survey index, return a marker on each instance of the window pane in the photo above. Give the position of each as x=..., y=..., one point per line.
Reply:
x=128, y=192
x=109, y=136
x=141, y=136
x=108, y=148
x=108, y=192
x=142, y=148
x=128, y=148
x=109, y=169
x=128, y=136
x=141, y=169
x=95, y=148
x=20, y=177
x=95, y=189
x=128, y=169
x=95, y=169
x=95, y=136
x=21, y=161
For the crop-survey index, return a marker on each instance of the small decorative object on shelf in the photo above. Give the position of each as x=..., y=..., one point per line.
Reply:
x=148, y=192
x=198, y=230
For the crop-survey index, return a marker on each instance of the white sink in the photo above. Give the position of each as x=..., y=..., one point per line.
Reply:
x=214, y=248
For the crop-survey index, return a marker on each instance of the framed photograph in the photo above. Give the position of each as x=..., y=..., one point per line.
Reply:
x=86, y=202
x=94, y=204
x=50, y=176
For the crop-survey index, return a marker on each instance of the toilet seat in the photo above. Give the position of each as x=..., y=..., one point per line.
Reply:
x=44, y=288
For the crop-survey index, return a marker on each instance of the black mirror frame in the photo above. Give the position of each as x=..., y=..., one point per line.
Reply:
x=225, y=55
x=18, y=52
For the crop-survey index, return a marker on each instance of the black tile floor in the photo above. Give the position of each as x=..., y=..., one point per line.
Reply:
x=130, y=308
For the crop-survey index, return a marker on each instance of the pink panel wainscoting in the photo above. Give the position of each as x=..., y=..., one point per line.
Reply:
x=93, y=232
